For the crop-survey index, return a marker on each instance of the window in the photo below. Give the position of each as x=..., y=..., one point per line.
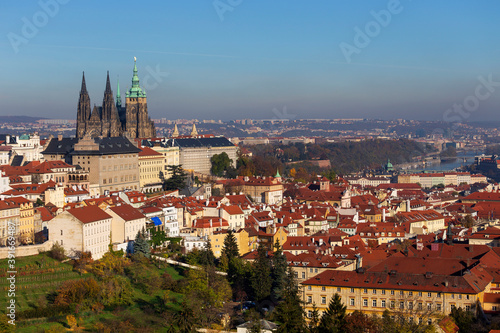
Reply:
x=352, y=290
x=309, y=299
x=365, y=291
x=401, y=293
x=309, y=314
x=420, y=305
x=61, y=232
x=401, y=305
x=429, y=306
x=339, y=289
x=392, y=292
x=374, y=291
x=466, y=296
x=374, y=303
x=365, y=302
x=393, y=304
x=429, y=294
x=467, y=307
x=438, y=306
x=383, y=303
x=308, y=287
x=410, y=293
x=494, y=308
x=303, y=275
x=419, y=294
x=323, y=288
x=383, y=291
x=352, y=301
x=439, y=295
x=323, y=300
x=460, y=296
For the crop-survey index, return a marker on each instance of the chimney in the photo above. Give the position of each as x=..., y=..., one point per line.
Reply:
x=59, y=137
x=383, y=214
x=408, y=207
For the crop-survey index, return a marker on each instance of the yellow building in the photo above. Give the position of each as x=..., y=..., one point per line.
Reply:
x=416, y=296
x=217, y=241
x=26, y=218
x=151, y=163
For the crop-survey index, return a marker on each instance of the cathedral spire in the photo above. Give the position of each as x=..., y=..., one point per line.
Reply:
x=84, y=86
x=118, y=97
x=108, y=85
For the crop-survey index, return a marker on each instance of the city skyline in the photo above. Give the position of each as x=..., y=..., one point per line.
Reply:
x=240, y=59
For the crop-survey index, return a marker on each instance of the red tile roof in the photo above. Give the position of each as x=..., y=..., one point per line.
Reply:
x=89, y=214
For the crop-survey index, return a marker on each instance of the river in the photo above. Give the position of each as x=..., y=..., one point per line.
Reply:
x=450, y=164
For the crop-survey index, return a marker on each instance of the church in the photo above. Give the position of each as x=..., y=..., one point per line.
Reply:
x=113, y=120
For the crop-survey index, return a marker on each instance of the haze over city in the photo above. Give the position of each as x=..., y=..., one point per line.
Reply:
x=242, y=59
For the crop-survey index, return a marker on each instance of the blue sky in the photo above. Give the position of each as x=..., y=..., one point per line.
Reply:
x=262, y=55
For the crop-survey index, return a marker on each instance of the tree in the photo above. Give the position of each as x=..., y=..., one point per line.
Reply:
x=261, y=277
x=206, y=255
x=57, y=252
x=313, y=323
x=220, y=164
x=141, y=245
x=280, y=267
x=177, y=178
x=467, y=221
x=289, y=312
x=230, y=247
x=463, y=319
x=158, y=237
x=334, y=318
x=184, y=320
x=358, y=322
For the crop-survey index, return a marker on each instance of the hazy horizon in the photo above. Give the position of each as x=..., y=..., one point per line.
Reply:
x=245, y=59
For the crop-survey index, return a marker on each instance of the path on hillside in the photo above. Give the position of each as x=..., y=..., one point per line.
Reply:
x=174, y=262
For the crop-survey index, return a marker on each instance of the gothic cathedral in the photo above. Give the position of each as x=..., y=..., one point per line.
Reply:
x=110, y=119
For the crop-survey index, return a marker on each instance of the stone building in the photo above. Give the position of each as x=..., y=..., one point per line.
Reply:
x=112, y=120
x=111, y=163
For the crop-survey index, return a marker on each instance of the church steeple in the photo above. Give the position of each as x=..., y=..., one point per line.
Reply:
x=118, y=97
x=135, y=91
x=194, y=132
x=176, y=131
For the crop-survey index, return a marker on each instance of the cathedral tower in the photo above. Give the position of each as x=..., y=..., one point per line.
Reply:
x=83, y=112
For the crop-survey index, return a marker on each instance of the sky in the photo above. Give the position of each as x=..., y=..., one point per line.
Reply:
x=236, y=59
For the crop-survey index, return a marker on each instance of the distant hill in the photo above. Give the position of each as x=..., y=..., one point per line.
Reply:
x=19, y=119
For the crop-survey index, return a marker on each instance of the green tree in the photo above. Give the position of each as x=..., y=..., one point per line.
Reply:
x=158, y=237
x=261, y=277
x=220, y=164
x=314, y=322
x=280, y=267
x=141, y=245
x=206, y=255
x=333, y=319
x=230, y=246
x=463, y=319
x=330, y=175
x=289, y=312
x=184, y=320
x=177, y=178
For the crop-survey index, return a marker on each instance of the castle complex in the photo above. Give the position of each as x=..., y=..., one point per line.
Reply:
x=112, y=120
